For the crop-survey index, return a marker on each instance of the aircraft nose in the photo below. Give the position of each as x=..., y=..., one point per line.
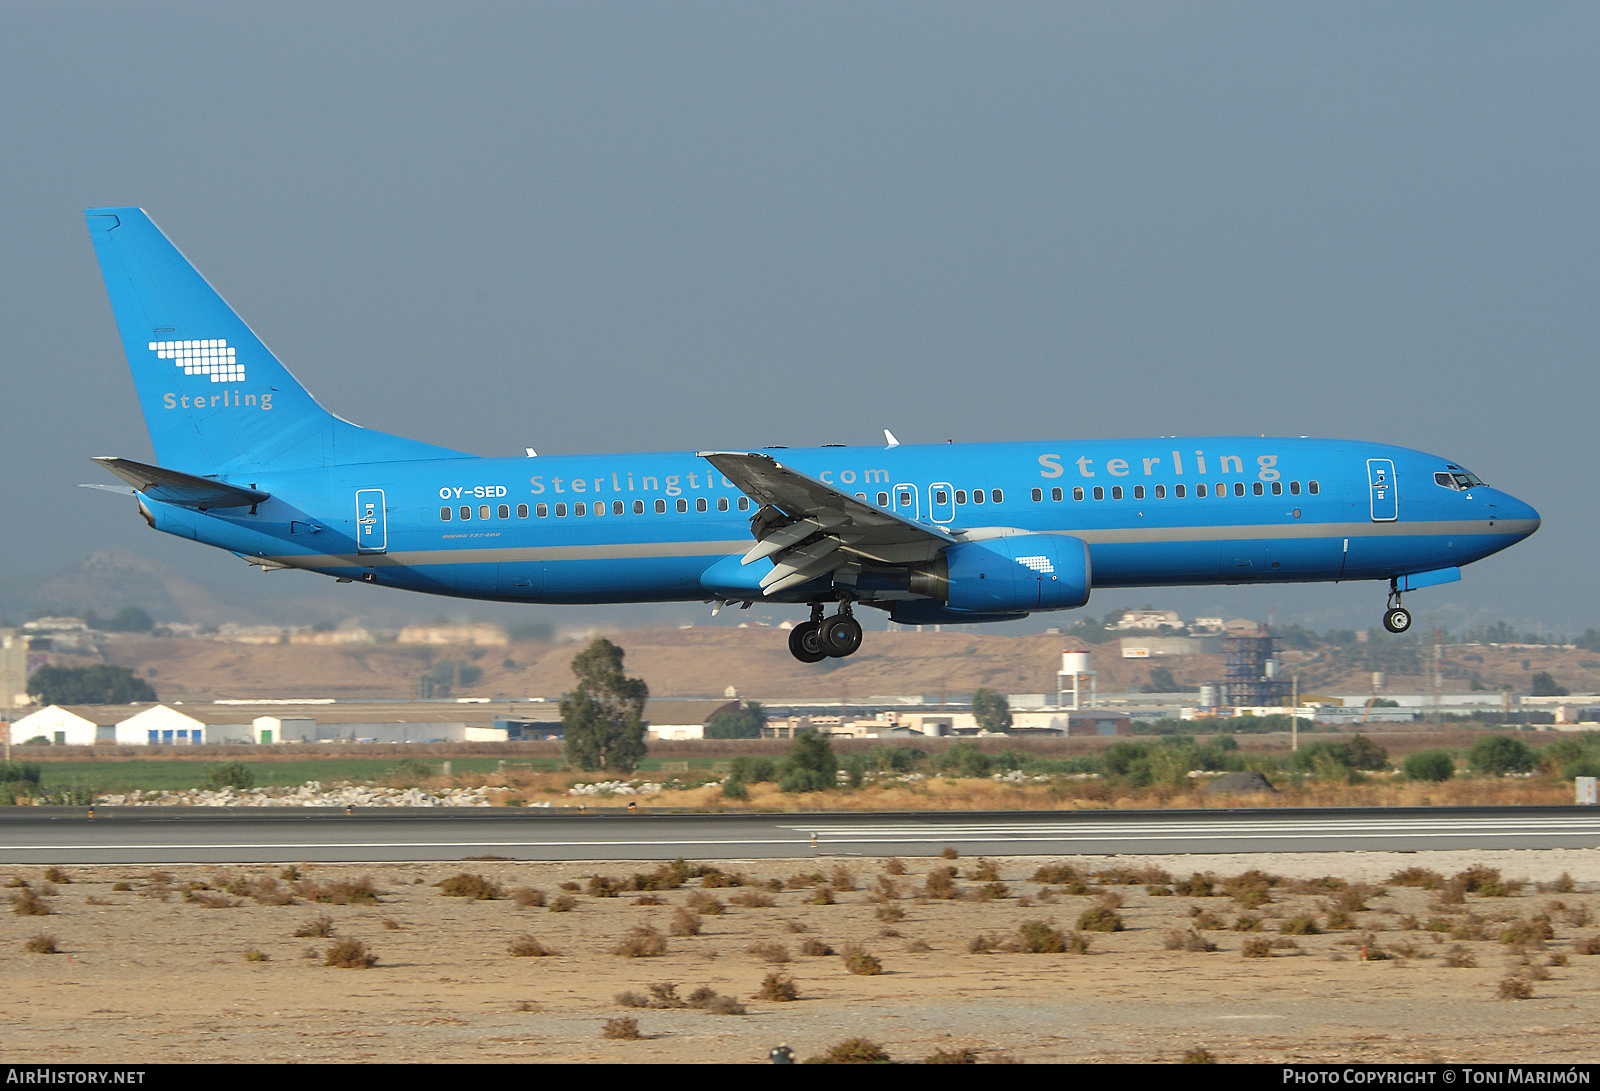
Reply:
x=1514, y=510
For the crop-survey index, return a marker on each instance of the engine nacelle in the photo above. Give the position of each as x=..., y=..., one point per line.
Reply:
x=1006, y=575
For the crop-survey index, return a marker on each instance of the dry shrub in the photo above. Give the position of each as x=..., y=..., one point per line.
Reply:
x=571, y=887
x=528, y=897
x=1252, y=889
x=815, y=948
x=895, y=866
x=1247, y=923
x=254, y=955
x=1187, y=941
x=753, y=899
x=362, y=892
x=888, y=890
x=349, y=954
x=56, y=875
x=1577, y=916
x=1060, y=875
x=563, y=903
x=950, y=853
x=771, y=952
x=859, y=961
x=623, y=1028
x=890, y=913
x=641, y=941
x=778, y=987
x=918, y=947
x=1563, y=885
x=987, y=871
x=685, y=923
x=1039, y=938
x=1199, y=1056
x=1417, y=877
x=25, y=903
x=1337, y=919
x=1528, y=932
x=391, y=924
x=42, y=945
x=320, y=927
x=118, y=888
x=267, y=891
x=1257, y=947
x=822, y=895
x=1588, y=945
x=630, y=999
x=664, y=994
x=843, y=878
x=1099, y=918
x=1515, y=988
x=1557, y=959
x=801, y=880
x=1299, y=926
x=1206, y=920
x=981, y=945
x=604, y=886
x=1284, y=943
x=953, y=1056
x=649, y=899
x=1459, y=958
x=1486, y=882
x=792, y=925
x=990, y=892
x=1158, y=891
x=940, y=884
x=466, y=885
x=707, y=999
x=93, y=899
x=525, y=946
x=706, y=904
x=668, y=876
x=1470, y=926
x=1195, y=886
x=212, y=900
x=49, y=890
x=856, y=1050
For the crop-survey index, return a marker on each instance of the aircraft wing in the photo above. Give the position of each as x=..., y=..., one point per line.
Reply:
x=811, y=529
x=182, y=489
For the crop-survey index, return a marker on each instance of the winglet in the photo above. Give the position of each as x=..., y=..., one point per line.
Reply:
x=888, y=435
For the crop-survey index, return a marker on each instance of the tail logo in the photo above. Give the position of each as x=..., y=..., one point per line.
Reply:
x=211, y=357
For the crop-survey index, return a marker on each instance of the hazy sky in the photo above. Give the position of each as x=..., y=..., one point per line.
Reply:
x=595, y=227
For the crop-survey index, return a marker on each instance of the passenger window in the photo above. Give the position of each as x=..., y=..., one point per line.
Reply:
x=616, y=507
x=883, y=500
x=661, y=507
x=940, y=496
x=683, y=505
x=638, y=507
x=1077, y=493
x=466, y=512
x=977, y=496
x=505, y=511
x=1311, y=486
x=1294, y=488
x=1099, y=493
x=1038, y=495
x=1161, y=492
x=700, y=503
x=961, y=496
x=722, y=503
x=1055, y=494
x=1177, y=491
x=1277, y=488
x=996, y=496
x=1138, y=492
x=579, y=508
x=541, y=510
x=599, y=507
x=1199, y=490
x=483, y=511
x=905, y=499
x=444, y=514
x=1238, y=488
x=561, y=511
x=1258, y=488
x=1116, y=492
x=744, y=503
x=522, y=511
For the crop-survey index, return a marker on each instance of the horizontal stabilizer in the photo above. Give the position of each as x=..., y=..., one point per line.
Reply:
x=185, y=490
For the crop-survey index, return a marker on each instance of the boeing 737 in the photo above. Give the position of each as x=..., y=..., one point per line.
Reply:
x=247, y=461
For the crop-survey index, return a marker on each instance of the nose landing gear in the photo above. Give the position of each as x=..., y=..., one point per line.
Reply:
x=821, y=638
x=1396, y=618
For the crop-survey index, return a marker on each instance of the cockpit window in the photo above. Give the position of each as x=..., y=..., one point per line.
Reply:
x=1457, y=479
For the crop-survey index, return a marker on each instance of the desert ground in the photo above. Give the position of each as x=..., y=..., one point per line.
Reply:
x=226, y=963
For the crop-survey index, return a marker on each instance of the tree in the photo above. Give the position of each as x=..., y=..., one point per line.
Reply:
x=991, y=710
x=1497, y=755
x=604, y=715
x=1433, y=765
x=1543, y=685
x=809, y=766
x=743, y=723
x=101, y=684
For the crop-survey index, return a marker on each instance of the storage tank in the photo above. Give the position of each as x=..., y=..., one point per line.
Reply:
x=1074, y=662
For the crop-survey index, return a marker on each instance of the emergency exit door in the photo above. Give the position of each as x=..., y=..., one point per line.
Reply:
x=372, y=526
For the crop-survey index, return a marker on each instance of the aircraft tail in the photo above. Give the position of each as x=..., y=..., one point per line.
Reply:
x=215, y=399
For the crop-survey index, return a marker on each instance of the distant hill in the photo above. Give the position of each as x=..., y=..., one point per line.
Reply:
x=107, y=580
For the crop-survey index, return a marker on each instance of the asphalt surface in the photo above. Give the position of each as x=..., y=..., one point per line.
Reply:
x=46, y=835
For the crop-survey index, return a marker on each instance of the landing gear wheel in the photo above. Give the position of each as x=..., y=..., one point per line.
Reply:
x=1397, y=620
x=805, y=642
x=841, y=635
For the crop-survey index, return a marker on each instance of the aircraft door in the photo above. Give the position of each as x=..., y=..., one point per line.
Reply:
x=941, y=502
x=372, y=524
x=905, y=501
x=1385, y=497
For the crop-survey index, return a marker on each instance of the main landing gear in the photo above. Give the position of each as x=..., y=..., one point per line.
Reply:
x=820, y=638
x=1396, y=618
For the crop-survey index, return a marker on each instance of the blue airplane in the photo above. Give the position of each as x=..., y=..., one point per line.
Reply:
x=250, y=463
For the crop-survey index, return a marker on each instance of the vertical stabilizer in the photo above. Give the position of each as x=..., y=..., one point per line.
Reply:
x=215, y=399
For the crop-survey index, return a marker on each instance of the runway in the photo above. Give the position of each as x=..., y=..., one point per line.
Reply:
x=147, y=836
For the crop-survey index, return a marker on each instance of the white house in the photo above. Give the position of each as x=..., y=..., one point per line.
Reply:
x=159, y=725
x=62, y=726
